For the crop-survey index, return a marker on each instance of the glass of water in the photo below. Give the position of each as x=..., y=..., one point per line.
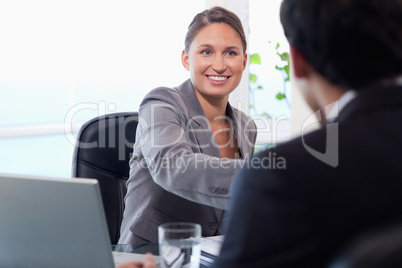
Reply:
x=179, y=245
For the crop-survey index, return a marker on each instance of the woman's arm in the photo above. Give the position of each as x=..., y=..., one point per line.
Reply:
x=166, y=146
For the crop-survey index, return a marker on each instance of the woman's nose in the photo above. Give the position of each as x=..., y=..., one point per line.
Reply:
x=219, y=65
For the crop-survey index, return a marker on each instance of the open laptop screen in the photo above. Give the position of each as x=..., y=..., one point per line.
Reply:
x=52, y=222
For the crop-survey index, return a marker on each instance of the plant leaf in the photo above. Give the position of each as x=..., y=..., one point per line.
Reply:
x=286, y=68
x=253, y=78
x=264, y=114
x=277, y=46
x=260, y=87
x=255, y=59
x=280, y=96
x=285, y=56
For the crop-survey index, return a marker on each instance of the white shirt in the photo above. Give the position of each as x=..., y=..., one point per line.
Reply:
x=338, y=105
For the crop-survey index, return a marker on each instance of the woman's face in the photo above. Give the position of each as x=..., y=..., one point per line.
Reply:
x=215, y=60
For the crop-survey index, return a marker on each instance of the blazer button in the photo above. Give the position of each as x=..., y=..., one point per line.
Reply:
x=218, y=190
x=222, y=191
x=213, y=225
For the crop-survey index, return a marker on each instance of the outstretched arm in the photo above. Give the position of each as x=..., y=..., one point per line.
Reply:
x=167, y=141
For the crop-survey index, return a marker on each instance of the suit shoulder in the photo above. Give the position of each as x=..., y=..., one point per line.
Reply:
x=297, y=145
x=295, y=154
x=165, y=95
x=162, y=93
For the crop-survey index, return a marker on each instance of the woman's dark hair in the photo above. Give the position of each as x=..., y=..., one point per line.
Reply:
x=352, y=43
x=214, y=15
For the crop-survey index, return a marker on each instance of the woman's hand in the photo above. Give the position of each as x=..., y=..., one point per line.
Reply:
x=148, y=263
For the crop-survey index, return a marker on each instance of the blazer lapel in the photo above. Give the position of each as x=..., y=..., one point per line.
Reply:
x=197, y=120
x=239, y=131
x=199, y=123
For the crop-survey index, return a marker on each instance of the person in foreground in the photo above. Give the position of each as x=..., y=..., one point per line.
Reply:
x=190, y=140
x=345, y=178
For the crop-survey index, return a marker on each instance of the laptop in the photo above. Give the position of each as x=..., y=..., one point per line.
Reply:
x=52, y=222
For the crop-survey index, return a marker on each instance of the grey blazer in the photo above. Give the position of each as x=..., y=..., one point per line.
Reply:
x=176, y=173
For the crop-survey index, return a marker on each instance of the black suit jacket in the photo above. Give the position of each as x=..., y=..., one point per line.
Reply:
x=302, y=215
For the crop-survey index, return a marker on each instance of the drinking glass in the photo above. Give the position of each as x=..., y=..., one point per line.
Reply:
x=179, y=245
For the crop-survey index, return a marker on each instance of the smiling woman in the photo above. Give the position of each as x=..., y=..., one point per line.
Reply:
x=191, y=140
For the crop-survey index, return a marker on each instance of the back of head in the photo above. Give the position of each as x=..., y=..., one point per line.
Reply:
x=352, y=43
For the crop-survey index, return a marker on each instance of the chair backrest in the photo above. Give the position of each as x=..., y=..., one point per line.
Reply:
x=379, y=247
x=103, y=150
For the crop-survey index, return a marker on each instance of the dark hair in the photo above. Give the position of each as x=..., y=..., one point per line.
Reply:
x=353, y=43
x=214, y=15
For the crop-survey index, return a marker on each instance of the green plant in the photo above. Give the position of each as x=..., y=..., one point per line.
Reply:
x=255, y=59
x=285, y=70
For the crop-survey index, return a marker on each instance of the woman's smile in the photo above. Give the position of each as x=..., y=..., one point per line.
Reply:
x=217, y=79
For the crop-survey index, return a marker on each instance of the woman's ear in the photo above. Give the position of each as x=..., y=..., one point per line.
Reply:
x=184, y=60
x=245, y=60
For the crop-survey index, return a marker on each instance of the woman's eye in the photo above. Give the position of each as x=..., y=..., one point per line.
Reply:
x=230, y=53
x=206, y=52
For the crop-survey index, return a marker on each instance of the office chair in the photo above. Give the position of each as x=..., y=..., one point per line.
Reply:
x=377, y=248
x=103, y=150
